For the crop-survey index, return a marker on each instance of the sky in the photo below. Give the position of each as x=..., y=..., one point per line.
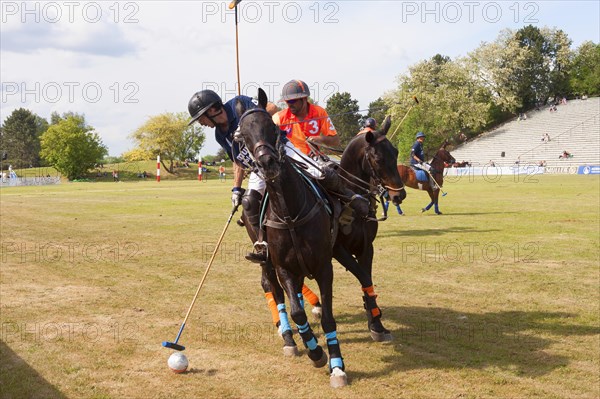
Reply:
x=121, y=62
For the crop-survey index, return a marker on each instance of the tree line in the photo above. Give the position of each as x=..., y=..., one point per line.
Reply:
x=518, y=71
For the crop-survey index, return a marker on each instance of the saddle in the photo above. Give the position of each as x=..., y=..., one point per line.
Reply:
x=332, y=205
x=420, y=174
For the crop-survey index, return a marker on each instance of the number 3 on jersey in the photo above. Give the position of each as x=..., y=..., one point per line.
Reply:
x=313, y=128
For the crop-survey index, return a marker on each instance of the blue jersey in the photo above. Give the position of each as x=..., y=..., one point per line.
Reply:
x=225, y=139
x=417, y=150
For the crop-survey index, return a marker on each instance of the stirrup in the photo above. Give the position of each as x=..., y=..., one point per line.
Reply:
x=261, y=254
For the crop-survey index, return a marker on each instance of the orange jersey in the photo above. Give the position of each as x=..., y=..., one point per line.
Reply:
x=316, y=123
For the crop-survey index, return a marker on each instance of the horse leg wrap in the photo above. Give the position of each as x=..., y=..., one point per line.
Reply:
x=308, y=337
x=335, y=354
x=272, y=307
x=310, y=296
x=283, y=318
x=370, y=302
x=301, y=300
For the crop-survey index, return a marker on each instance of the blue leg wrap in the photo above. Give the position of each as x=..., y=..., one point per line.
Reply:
x=336, y=362
x=311, y=344
x=283, y=318
x=303, y=328
x=301, y=299
x=399, y=209
x=331, y=338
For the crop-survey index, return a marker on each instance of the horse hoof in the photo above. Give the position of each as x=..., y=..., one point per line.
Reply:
x=290, y=351
x=317, y=311
x=338, y=378
x=423, y=210
x=321, y=362
x=439, y=213
x=385, y=336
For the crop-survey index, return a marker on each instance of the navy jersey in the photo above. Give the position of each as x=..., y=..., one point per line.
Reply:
x=417, y=149
x=225, y=139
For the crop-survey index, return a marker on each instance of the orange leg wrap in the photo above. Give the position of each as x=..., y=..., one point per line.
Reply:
x=370, y=291
x=309, y=295
x=272, y=306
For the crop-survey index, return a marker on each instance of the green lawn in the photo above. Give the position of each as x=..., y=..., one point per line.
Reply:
x=498, y=297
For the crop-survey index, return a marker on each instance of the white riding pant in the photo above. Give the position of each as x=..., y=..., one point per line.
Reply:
x=257, y=182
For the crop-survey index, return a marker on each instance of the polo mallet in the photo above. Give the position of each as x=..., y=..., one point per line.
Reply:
x=174, y=344
x=436, y=183
x=233, y=5
x=404, y=117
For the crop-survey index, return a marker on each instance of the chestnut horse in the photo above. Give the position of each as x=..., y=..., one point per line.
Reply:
x=440, y=160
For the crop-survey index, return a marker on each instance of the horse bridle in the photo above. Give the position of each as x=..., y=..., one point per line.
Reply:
x=263, y=147
x=374, y=175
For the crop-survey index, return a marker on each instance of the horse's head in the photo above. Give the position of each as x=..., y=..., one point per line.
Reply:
x=382, y=158
x=444, y=156
x=261, y=136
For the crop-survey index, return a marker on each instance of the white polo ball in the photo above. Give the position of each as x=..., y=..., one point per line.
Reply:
x=177, y=362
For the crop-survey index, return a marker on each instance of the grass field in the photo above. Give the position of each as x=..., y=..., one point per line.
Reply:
x=498, y=297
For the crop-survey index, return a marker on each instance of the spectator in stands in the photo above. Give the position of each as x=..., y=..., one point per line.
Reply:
x=565, y=155
x=546, y=138
x=542, y=164
x=492, y=164
x=462, y=137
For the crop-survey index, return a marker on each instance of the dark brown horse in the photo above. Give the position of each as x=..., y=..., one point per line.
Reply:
x=298, y=228
x=440, y=160
x=369, y=165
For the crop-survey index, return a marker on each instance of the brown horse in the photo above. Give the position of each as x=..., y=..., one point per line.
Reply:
x=440, y=160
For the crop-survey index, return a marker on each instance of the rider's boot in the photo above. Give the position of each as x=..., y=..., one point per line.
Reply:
x=331, y=182
x=251, y=204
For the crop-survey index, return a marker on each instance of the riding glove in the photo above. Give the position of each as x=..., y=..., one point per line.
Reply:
x=236, y=196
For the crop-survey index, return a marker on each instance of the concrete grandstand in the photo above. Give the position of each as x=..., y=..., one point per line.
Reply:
x=574, y=127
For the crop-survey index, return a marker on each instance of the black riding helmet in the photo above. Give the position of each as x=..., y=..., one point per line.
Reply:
x=201, y=102
x=295, y=89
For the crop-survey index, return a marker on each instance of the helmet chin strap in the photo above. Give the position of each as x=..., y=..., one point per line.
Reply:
x=211, y=118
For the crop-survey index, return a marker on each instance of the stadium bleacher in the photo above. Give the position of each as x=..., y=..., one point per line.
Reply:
x=574, y=127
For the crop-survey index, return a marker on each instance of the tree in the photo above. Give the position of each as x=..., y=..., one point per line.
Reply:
x=378, y=110
x=544, y=71
x=72, y=147
x=137, y=154
x=494, y=65
x=169, y=136
x=343, y=111
x=450, y=100
x=20, y=137
x=585, y=72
